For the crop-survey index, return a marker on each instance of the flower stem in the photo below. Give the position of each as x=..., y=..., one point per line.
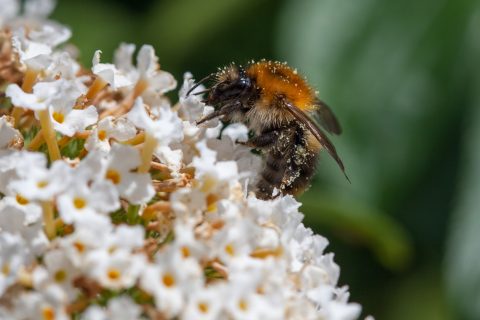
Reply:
x=97, y=85
x=132, y=213
x=139, y=138
x=49, y=135
x=147, y=152
x=27, y=86
x=37, y=141
x=48, y=220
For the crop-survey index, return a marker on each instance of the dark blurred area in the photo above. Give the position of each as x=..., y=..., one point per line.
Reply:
x=402, y=77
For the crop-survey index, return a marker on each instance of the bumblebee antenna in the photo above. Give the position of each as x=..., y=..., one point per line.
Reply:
x=199, y=83
x=201, y=92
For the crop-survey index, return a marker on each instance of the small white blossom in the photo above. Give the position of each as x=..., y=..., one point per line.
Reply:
x=166, y=129
x=118, y=166
x=120, y=129
x=8, y=134
x=109, y=73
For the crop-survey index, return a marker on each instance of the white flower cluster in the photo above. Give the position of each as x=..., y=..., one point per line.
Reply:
x=115, y=205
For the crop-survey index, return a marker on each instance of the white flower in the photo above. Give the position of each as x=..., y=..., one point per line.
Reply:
x=44, y=184
x=81, y=199
x=166, y=129
x=65, y=118
x=39, y=8
x=59, y=270
x=109, y=73
x=234, y=241
x=35, y=55
x=118, y=270
x=170, y=279
x=13, y=256
x=90, y=233
x=120, y=129
x=10, y=9
x=8, y=134
x=17, y=164
x=215, y=177
x=36, y=305
x=43, y=95
x=135, y=187
x=190, y=107
x=205, y=303
x=50, y=33
x=23, y=220
x=156, y=81
x=63, y=66
x=121, y=308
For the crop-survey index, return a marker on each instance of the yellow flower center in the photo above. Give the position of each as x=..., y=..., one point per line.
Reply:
x=113, y=274
x=60, y=276
x=230, y=249
x=212, y=202
x=114, y=176
x=185, y=251
x=203, y=307
x=48, y=313
x=79, y=203
x=243, y=305
x=102, y=134
x=21, y=200
x=59, y=117
x=79, y=246
x=168, y=280
x=42, y=184
x=6, y=269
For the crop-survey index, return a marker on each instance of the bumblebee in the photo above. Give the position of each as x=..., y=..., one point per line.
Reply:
x=279, y=107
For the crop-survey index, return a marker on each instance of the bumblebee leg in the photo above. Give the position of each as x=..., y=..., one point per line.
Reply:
x=264, y=140
x=220, y=112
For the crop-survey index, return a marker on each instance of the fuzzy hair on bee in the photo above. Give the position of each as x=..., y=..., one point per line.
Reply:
x=282, y=111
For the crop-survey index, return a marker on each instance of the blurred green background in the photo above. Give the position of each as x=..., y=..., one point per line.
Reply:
x=402, y=77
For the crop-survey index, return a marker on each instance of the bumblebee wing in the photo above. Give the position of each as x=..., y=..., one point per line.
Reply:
x=317, y=132
x=326, y=118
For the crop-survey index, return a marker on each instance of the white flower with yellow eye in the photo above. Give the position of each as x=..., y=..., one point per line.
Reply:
x=58, y=270
x=43, y=184
x=91, y=233
x=13, y=256
x=169, y=279
x=80, y=200
x=117, y=168
x=120, y=129
x=205, y=303
x=166, y=129
x=117, y=270
x=234, y=241
x=65, y=118
x=39, y=305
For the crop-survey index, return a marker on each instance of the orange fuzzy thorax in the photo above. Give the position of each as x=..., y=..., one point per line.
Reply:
x=275, y=78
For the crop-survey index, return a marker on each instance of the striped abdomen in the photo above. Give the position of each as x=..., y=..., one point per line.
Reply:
x=289, y=164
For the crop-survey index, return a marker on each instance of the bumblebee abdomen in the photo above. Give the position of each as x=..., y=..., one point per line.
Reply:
x=275, y=78
x=290, y=164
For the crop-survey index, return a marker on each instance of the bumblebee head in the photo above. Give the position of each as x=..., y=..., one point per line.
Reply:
x=233, y=83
